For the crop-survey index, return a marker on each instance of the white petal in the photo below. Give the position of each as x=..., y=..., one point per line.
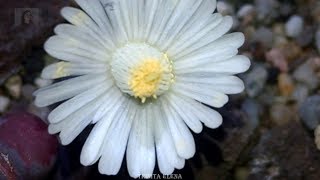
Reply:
x=196, y=110
x=205, y=38
x=66, y=89
x=178, y=106
x=115, y=100
x=182, y=14
x=70, y=106
x=95, y=10
x=64, y=69
x=72, y=126
x=163, y=14
x=234, y=65
x=212, y=98
x=116, y=140
x=60, y=44
x=92, y=149
x=194, y=34
x=168, y=158
x=69, y=31
x=140, y=150
x=224, y=84
x=182, y=137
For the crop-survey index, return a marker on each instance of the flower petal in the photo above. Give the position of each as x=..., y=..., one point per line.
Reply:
x=92, y=149
x=66, y=89
x=116, y=140
x=182, y=137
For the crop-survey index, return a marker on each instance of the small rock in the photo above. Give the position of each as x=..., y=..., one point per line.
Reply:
x=309, y=112
x=266, y=9
x=253, y=110
x=265, y=36
x=318, y=40
x=42, y=82
x=26, y=147
x=306, y=36
x=294, y=26
x=245, y=10
x=13, y=85
x=255, y=80
x=285, y=84
x=317, y=136
x=307, y=73
x=4, y=103
x=278, y=59
x=300, y=93
x=27, y=91
x=225, y=8
x=282, y=114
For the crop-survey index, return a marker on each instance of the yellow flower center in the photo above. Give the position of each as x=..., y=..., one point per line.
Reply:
x=141, y=71
x=145, y=79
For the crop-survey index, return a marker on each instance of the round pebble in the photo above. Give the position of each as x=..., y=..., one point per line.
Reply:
x=294, y=26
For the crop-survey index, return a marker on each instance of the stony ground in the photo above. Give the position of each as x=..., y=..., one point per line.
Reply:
x=269, y=131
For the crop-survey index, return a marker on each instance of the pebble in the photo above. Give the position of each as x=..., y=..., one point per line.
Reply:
x=27, y=91
x=317, y=136
x=300, y=93
x=225, y=8
x=245, y=10
x=265, y=36
x=266, y=9
x=4, y=103
x=255, y=80
x=253, y=110
x=13, y=85
x=306, y=74
x=278, y=59
x=285, y=84
x=294, y=26
x=39, y=82
x=318, y=39
x=309, y=112
x=281, y=114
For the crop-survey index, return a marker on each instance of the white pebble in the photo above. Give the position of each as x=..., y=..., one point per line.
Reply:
x=224, y=8
x=294, y=26
x=245, y=10
x=4, y=103
x=42, y=82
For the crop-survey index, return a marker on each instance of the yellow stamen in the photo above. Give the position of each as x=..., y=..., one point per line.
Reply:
x=145, y=79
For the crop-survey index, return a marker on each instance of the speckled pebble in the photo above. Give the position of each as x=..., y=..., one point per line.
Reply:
x=294, y=26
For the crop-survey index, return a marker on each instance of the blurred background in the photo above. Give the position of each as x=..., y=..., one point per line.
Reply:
x=269, y=131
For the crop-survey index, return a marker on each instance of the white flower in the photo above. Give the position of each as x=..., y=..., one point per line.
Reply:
x=141, y=70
